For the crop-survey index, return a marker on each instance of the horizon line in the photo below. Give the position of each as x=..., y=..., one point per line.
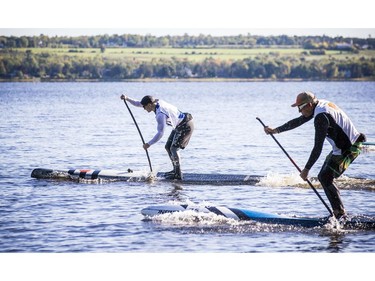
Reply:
x=159, y=32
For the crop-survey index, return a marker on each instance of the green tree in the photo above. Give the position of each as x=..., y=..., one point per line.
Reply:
x=30, y=64
x=331, y=70
x=3, y=70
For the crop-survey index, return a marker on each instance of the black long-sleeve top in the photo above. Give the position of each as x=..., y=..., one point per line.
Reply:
x=330, y=123
x=321, y=124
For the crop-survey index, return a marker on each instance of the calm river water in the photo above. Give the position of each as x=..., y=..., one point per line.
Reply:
x=86, y=125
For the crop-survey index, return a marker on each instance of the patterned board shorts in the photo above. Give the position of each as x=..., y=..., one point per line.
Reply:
x=339, y=163
x=180, y=136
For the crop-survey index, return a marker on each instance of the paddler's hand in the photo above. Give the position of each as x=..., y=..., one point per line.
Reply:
x=123, y=97
x=304, y=173
x=146, y=146
x=269, y=130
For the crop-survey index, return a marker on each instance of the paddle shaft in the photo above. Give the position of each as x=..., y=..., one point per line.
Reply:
x=295, y=165
x=139, y=131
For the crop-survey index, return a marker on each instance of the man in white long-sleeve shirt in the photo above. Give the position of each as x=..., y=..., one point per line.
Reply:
x=167, y=114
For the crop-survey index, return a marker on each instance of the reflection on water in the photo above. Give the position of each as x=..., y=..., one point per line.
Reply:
x=336, y=242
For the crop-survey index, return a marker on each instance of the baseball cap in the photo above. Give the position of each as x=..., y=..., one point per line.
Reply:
x=304, y=97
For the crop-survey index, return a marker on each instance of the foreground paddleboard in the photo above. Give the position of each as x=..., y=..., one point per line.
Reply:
x=243, y=214
x=192, y=178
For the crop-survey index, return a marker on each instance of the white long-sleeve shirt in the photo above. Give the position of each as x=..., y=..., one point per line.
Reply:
x=165, y=114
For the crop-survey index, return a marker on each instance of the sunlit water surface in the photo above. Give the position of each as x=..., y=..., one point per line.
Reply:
x=86, y=125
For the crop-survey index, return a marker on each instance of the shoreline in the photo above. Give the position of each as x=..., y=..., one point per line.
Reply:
x=168, y=80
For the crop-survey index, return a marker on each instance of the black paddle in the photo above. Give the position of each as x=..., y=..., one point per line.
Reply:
x=295, y=165
x=139, y=131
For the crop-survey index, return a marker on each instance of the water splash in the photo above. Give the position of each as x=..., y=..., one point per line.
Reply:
x=198, y=219
x=346, y=182
x=368, y=149
x=293, y=179
x=276, y=180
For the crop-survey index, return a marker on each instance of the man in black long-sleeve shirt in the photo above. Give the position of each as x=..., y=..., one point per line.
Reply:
x=333, y=124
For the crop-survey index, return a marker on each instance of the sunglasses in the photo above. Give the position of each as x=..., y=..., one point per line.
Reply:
x=302, y=106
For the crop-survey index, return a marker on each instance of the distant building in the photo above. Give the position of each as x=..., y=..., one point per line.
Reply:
x=345, y=46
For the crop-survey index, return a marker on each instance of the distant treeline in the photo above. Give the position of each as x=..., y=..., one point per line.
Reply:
x=185, y=41
x=20, y=65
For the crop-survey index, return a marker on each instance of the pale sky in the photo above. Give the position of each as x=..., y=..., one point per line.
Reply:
x=332, y=32
x=172, y=17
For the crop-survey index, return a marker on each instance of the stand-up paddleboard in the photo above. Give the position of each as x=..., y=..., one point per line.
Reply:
x=193, y=178
x=248, y=215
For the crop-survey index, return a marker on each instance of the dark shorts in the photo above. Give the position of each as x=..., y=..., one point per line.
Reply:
x=180, y=136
